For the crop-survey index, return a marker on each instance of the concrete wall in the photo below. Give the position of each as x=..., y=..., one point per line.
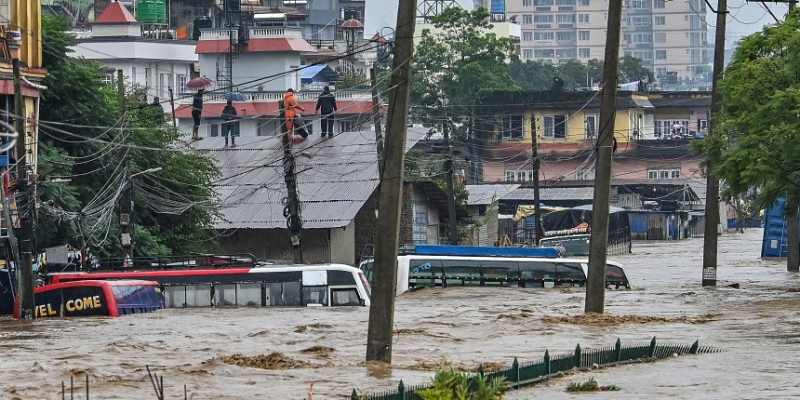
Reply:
x=250, y=66
x=342, y=244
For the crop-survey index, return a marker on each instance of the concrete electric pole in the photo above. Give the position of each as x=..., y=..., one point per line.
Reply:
x=381, y=313
x=596, y=281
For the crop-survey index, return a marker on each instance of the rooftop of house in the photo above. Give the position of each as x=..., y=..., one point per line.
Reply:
x=335, y=178
x=115, y=14
x=574, y=100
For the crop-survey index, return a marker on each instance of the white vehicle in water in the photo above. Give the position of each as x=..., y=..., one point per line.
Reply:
x=259, y=286
x=416, y=270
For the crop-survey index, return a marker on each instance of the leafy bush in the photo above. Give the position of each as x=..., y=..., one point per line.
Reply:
x=452, y=385
x=590, y=386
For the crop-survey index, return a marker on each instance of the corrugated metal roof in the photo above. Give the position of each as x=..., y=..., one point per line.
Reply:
x=484, y=194
x=552, y=194
x=335, y=177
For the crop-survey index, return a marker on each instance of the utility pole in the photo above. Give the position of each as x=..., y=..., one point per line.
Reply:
x=535, y=177
x=172, y=104
x=126, y=205
x=712, y=181
x=292, y=211
x=596, y=281
x=452, y=224
x=376, y=117
x=26, y=205
x=381, y=314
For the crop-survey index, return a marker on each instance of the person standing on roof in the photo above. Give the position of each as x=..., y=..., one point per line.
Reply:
x=327, y=104
x=291, y=104
x=229, y=123
x=197, y=112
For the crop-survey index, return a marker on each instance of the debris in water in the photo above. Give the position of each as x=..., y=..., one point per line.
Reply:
x=608, y=319
x=590, y=386
x=423, y=332
x=428, y=365
x=319, y=351
x=273, y=360
x=305, y=328
x=379, y=369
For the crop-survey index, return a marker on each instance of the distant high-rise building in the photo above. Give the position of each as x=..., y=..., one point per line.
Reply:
x=669, y=37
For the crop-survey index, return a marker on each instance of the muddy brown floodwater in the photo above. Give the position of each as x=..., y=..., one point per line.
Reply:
x=277, y=353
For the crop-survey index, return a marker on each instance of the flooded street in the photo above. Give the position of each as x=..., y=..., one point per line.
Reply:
x=757, y=325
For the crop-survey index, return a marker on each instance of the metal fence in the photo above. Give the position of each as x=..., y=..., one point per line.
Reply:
x=523, y=374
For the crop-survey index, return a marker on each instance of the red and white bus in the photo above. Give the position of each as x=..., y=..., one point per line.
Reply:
x=94, y=298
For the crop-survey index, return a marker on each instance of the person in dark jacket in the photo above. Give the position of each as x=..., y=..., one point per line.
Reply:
x=197, y=111
x=228, y=125
x=326, y=103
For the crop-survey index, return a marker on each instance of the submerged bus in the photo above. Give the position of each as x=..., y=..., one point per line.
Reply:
x=94, y=298
x=261, y=286
x=416, y=271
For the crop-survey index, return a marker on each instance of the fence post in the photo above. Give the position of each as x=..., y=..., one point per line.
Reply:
x=354, y=395
x=695, y=347
x=515, y=369
x=578, y=356
x=401, y=390
x=618, y=349
x=547, y=361
x=653, y=347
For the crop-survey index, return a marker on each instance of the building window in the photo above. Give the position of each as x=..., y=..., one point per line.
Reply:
x=544, y=35
x=527, y=36
x=660, y=37
x=565, y=18
x=162, y=84
x=148, y=78
x=544, y=53
x=671, y=127
x=583, y=35
x=661, y=54
x=637, y=3
x=539, y=3
x=702, y=124
x=663, y=173
x=519, y=176
x=583, y=18
x=420, y=227
x=565, y=35
x=510, y=176
x=541, y=19
x=585, y=3
x=512, y=127
x=108, y=79
x=567, y=53
x=181, y=83
x=592, y=126
x=527, y=54
x=133, y=75
x=641, y=21
x=527, y=19
x=584, y=53
x=555, y=126
x=661, y=20
x=527, y=3
x=659, y=3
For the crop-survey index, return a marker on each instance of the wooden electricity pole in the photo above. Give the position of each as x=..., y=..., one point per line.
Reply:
x=126, y=209
x=292, y=211
x=596, y=281
x=381, y=313
x=376, y=117
x=26, y=205
x=452, y=224
x=712, y=181
x=539, y=232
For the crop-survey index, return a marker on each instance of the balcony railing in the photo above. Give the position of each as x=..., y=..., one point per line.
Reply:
x=305, y=95
x=255, y=33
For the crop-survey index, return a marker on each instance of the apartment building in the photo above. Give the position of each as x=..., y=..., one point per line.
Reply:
x=669, y=37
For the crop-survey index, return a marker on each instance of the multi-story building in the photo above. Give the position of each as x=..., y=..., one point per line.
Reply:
x=669, y=37
x=156, y=65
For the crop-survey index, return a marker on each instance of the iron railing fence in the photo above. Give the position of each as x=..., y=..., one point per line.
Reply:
x=528, y=373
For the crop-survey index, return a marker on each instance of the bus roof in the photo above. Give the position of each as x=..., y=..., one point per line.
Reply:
x=93, y=283
x=444, y=250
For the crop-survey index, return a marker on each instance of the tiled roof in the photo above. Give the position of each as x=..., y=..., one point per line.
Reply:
x=287, y=45
x=335, y=178
x=115, y=13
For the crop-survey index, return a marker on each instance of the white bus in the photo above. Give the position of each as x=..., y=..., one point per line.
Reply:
x=416, y=271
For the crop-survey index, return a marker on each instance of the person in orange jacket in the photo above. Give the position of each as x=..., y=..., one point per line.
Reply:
x=291, y=104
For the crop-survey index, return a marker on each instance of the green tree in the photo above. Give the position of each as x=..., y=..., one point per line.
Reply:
x=631, y=69
x=91, y=141
x=451, y=385
x=533, y=75
x=757, y=143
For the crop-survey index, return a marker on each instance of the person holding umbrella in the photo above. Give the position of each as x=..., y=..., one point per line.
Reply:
x=197, y=112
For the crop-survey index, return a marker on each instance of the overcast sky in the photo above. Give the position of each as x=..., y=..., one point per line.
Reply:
x=744, y=18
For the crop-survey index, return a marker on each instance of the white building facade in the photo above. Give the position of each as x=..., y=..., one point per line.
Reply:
x=155, y=65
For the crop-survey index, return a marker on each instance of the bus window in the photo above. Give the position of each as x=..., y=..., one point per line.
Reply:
x=174, y=296
x=224, y=295
x=275, y=294
x=198, y=296
x=341, y=278
x=315, y=295
x=499, y=273
x=136, y=299
x=291, y=294
x=537, y=271
x=462, y=272
x=249, y=295
x=424, y=272
x=570, y=274
x=344, y=297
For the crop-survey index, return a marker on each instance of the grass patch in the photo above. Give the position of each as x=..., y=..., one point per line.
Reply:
x=590, y=386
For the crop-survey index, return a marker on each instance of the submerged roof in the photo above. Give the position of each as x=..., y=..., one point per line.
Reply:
x=335, y=177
